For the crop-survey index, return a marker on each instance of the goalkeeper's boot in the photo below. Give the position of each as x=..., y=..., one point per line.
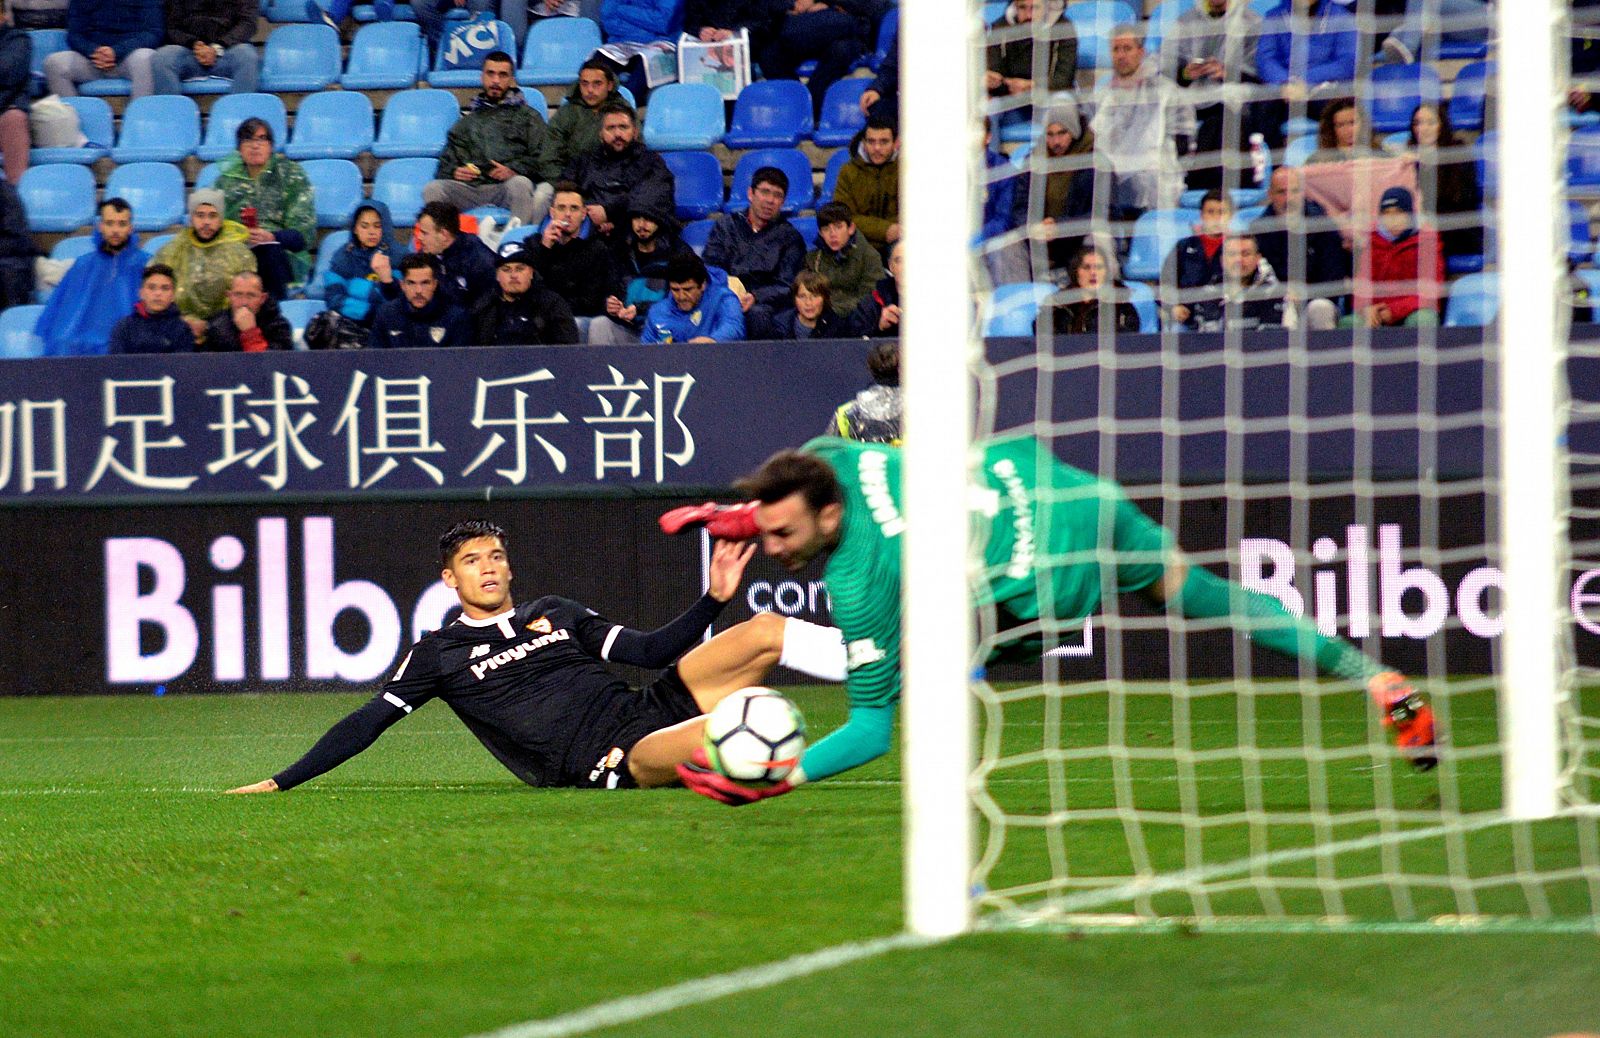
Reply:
x=726, y=522
x=1406, y=711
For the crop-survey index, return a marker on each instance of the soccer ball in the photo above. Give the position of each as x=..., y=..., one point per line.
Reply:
x=755, y=735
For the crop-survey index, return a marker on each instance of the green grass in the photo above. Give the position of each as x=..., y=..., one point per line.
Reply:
x=420, y=890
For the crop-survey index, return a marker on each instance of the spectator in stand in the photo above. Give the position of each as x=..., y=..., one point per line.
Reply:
x=98, y=290
x=1066, y=186
x=16, y=83
x=1343, y=134
x=1400, y=272
x=833, y=33
x=881, y=100
x=1447, y=180
x=336, y=15
x=640, y=21
x=698, y=307
x=1307, y=52
x=619, y=172
x=252, y=323
x=879, y=313
x=1093, y=287
x=208, y=38
x=270, y=195
x=843, y=257
x=869, y=184
x=38, y=14
x=154, y=326
x=1002, y=214
x=1210, y=52
x=576, y=269
x=1008, y=56
x=352, y=286
x=640, y=257
x=873, y=415
x=1143, y=126
x=18, y=249
x=523, y=312
x=431, y=14
x=491, y=156
x=423, y=317
x=712, y=21
x=1196, y=261
x=1443, y=21
x=761, y=248
x=1250, y=296
x=575, y=127
x=1304, y=248
x=204, y=257
x=106, y=39
x=811, y=314
x=466, y=265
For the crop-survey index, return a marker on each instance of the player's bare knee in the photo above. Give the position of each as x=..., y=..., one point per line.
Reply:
x=767, y=630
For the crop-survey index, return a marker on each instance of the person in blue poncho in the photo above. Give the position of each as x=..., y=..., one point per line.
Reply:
x=98, y=291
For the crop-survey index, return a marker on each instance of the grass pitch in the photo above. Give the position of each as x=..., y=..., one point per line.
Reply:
x=421, y=890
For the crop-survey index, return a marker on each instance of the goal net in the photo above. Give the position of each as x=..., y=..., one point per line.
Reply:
x=1303, y=284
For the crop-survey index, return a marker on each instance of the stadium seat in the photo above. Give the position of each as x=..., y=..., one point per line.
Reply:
x=1486, y=147
x=95, y=122
x=791, y=160
x=284, y=10
x=526, y=231
x=300, y=58
x=158, y=128
x=1474, y=301
x=336, y=124
x=335, y=188
x=384, y=56
x=154, y=189
x=1244, y=216
x=1154, y=236
x=842, y=117
x=399, y=185
x=325, y=252
x=72, y=248
x=114, y=86
x=207, y=177
x=1158, y=27
x=683, y=117
x=1396, y=92
x=830, y=176
x=470, y=73
x=44, y=42
x=1583, y=158
x=697, y=183
x=222, y=124
x=1469, y=95
x=1012, y=309
x=555, y=49
x=415, y=123
x=1094, y=20
x=888, y=38
x=807, y=228
x=772, y=113
x=697, y=232
x=156, y=242
x=58, y=198
x=1580, y=242
x=17, y=341
x=299, y=313
x=1298, y=150
x=1143, y=298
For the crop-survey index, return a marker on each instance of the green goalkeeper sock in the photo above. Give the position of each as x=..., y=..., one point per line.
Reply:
x=1205, y=596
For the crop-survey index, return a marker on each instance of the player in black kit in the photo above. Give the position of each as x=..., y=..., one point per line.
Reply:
x=530, y=681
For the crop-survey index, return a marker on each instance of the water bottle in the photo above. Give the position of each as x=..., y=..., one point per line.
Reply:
x=1258, y=158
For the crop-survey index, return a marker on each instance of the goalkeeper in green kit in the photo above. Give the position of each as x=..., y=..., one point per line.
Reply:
x=1059, y=541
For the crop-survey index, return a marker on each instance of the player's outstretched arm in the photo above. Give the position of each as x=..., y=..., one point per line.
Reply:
x=354, y=733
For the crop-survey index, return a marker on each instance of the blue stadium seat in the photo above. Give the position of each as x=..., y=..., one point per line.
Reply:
x=285, y=11
x=888, y=37
x=336, y=124
x=300, y=58
x=156, y=242
x=1580, y=242
x=470, y=74
x=415, y=123
x=154, y=189
x=1159, y=26
x=527, y=231
x=683, y=117
x=1474, y=301
x=1143, y=298
x=44, y=42
x=555, y=49
x=842, y=117
x=17, y=341
x=58, y=198
x=1469, y=95
x=1583, y=157
x=112, y=87
x=95, y=122
x=807, y=228
x=1094, y=20
x=830, y=176
x=1396, y=92
x=399, y=185
x=697, y=183
x=158, y=128
x=72, y=248
x=1486, y=147
x=1591, y=290
x=1011, y=309
x=791, y=160
x=335, y=189
x=384, y=56
x=1298, y=150
x=772, y=113
x=325, y=252
x=697, y=232
x=299, y=313
x=222, y=124
x=365, y=13
x=207, y=177
x=1154, y=236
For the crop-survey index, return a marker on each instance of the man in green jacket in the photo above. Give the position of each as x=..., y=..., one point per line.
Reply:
x=492, y=154
x=870, y=183
x=575, y=128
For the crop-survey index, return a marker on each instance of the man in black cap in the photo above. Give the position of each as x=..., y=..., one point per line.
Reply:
x=640, y=259
x=523, y=312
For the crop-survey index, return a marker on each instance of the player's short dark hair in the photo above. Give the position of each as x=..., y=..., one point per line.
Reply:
x=686, y=266
x=602, y=65
x=116, y=203
x=158, y=268
x=420, y=260
x=792, y=472
x=884, y=362
x=771, y=175
x=500, y=56
x=461, y=533
x=834, y=212
x=618, y=108
x=444, y=216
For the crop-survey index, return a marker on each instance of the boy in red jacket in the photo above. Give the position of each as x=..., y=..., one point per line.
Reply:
x=1400, y=277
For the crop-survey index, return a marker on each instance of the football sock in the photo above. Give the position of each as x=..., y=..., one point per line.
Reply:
x=813, y=649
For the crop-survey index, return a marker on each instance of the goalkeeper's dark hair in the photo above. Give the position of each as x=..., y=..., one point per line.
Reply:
x=792, y=472
x=461, y=533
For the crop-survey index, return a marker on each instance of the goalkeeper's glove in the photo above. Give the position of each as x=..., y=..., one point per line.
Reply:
x=726, y=522
x=699, y=776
